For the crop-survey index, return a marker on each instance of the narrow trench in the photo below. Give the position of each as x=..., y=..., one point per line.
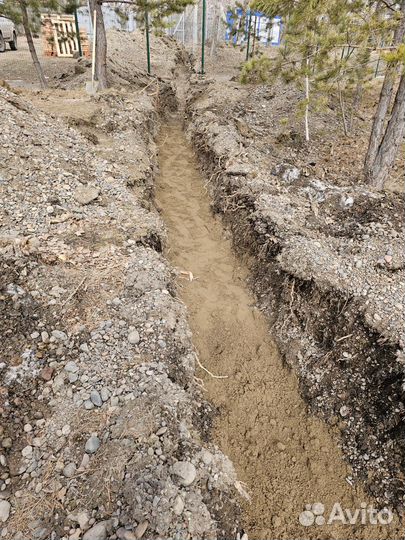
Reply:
x=286, y=457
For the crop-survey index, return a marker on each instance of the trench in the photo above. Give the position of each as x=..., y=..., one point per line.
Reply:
x=287, y=458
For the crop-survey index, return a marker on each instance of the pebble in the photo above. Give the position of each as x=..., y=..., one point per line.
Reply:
x=133, y=337
x=69, y=470
x=59, y=335
x=73, y=377
x=141, y=529
x=27, y=451
x=65, y=429
x=96, y=398
x=97, y=532
x=344, y=411
x=178, y=505
x=82, y=519
x=185, y=471
x=71, y=367
x=46, y=373
x=124, y=534
x=5, y=508
x=105, y=394
x=86, y=194
x=92, y=444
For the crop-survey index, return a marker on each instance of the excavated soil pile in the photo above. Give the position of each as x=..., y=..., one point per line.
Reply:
x=104, y=431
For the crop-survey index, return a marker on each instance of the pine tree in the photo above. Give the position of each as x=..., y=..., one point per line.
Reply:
x=327, y=47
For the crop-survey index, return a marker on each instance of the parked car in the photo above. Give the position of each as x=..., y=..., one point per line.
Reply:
x=8, y=34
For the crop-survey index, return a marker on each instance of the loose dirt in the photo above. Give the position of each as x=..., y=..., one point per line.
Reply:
x=287, y=458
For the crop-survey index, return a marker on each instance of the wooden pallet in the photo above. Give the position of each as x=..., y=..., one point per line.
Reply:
x=60, y=38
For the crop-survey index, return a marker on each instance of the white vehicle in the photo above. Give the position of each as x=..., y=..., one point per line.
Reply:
x=8, y=34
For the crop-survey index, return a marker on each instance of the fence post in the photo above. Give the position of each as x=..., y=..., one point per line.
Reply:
x=204, y=21
x=248, y=36
x=79, y=42
x=147, y=40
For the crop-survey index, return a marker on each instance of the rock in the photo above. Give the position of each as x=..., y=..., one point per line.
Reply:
x=344, y=411
x=59, y=335
x=69, y=470
x=96, y=398
x=291, y=175
x=92, y=444
x=27, y=451
x=82, y=519
x=88, y=405
x=133, y=337
x=46, y=373
x=7, y=442
x=85, y=462
x=105, y=394
x=124, y=534
x=86, y=194
x=185, y=471
x=5, y=507
x=71, y=367
x=141, y=529
x=97, y=532
x=73, y=377
x=178, y=505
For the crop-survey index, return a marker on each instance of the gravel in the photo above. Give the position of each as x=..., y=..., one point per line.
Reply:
x=80, y=283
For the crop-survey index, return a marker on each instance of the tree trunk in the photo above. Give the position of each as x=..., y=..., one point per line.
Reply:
x=31, y=46
x=215, y=27
x=101, y=45
x=388, y=149
x=385, y=100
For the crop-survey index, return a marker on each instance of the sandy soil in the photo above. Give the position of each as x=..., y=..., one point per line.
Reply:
x=17, y=69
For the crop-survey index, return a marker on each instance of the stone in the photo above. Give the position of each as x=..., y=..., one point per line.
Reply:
x=105, y=394
x=82, y=519
x=185, y=472
x=27, y=451
x=5, y=508
x=92, y=444
x=46, y=373
x=178, y=505
x=133, y=337
x=88, y=405
x=59, y=335
x=344, y=411
x=71, y=367
x=97, y=532
x=141, y=529
x=96, y=398
x=69, y=470
x=86, y=194
x=124, y=534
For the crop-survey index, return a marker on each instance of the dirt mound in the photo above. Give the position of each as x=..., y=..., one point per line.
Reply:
x=102, y=419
